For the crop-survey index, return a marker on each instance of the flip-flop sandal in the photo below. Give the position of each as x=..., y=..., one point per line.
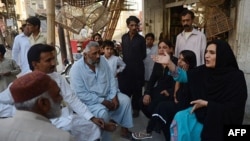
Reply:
x=141, y=135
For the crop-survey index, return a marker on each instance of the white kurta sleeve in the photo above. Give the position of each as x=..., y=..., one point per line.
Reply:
x=73, y=101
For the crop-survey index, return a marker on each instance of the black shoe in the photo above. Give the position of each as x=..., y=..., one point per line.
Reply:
x=135, y=113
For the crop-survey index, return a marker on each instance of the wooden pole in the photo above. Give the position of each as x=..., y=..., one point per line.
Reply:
x=50, y=4
x=51, y=22
x=70, y=48
x=62, y=42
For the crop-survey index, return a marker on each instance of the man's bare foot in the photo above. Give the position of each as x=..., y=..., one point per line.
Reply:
x=109, y=126
x=125, y=133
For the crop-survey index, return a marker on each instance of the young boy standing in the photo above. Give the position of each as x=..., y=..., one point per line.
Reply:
x=115, y=63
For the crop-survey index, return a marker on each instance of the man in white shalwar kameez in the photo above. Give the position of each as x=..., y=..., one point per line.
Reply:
x=20, y=48
x=94, y=84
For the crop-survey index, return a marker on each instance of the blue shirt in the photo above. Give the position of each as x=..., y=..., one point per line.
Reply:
x=93, y=87
x=179, y=75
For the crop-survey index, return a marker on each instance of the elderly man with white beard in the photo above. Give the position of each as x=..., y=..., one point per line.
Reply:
x=35, y=106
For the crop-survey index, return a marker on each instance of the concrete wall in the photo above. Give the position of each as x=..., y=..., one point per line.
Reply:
x=241, y=44
x=153, y=17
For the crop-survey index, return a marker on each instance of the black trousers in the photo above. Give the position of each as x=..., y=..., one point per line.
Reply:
x=165, y=110
x=135, y=95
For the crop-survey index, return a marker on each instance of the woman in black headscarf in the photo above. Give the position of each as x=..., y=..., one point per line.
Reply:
x=218, y=89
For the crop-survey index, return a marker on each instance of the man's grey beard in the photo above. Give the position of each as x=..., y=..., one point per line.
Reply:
x=89, y=61
x=55, y=109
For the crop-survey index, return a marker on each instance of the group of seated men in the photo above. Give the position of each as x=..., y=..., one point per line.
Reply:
x=88, y=110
